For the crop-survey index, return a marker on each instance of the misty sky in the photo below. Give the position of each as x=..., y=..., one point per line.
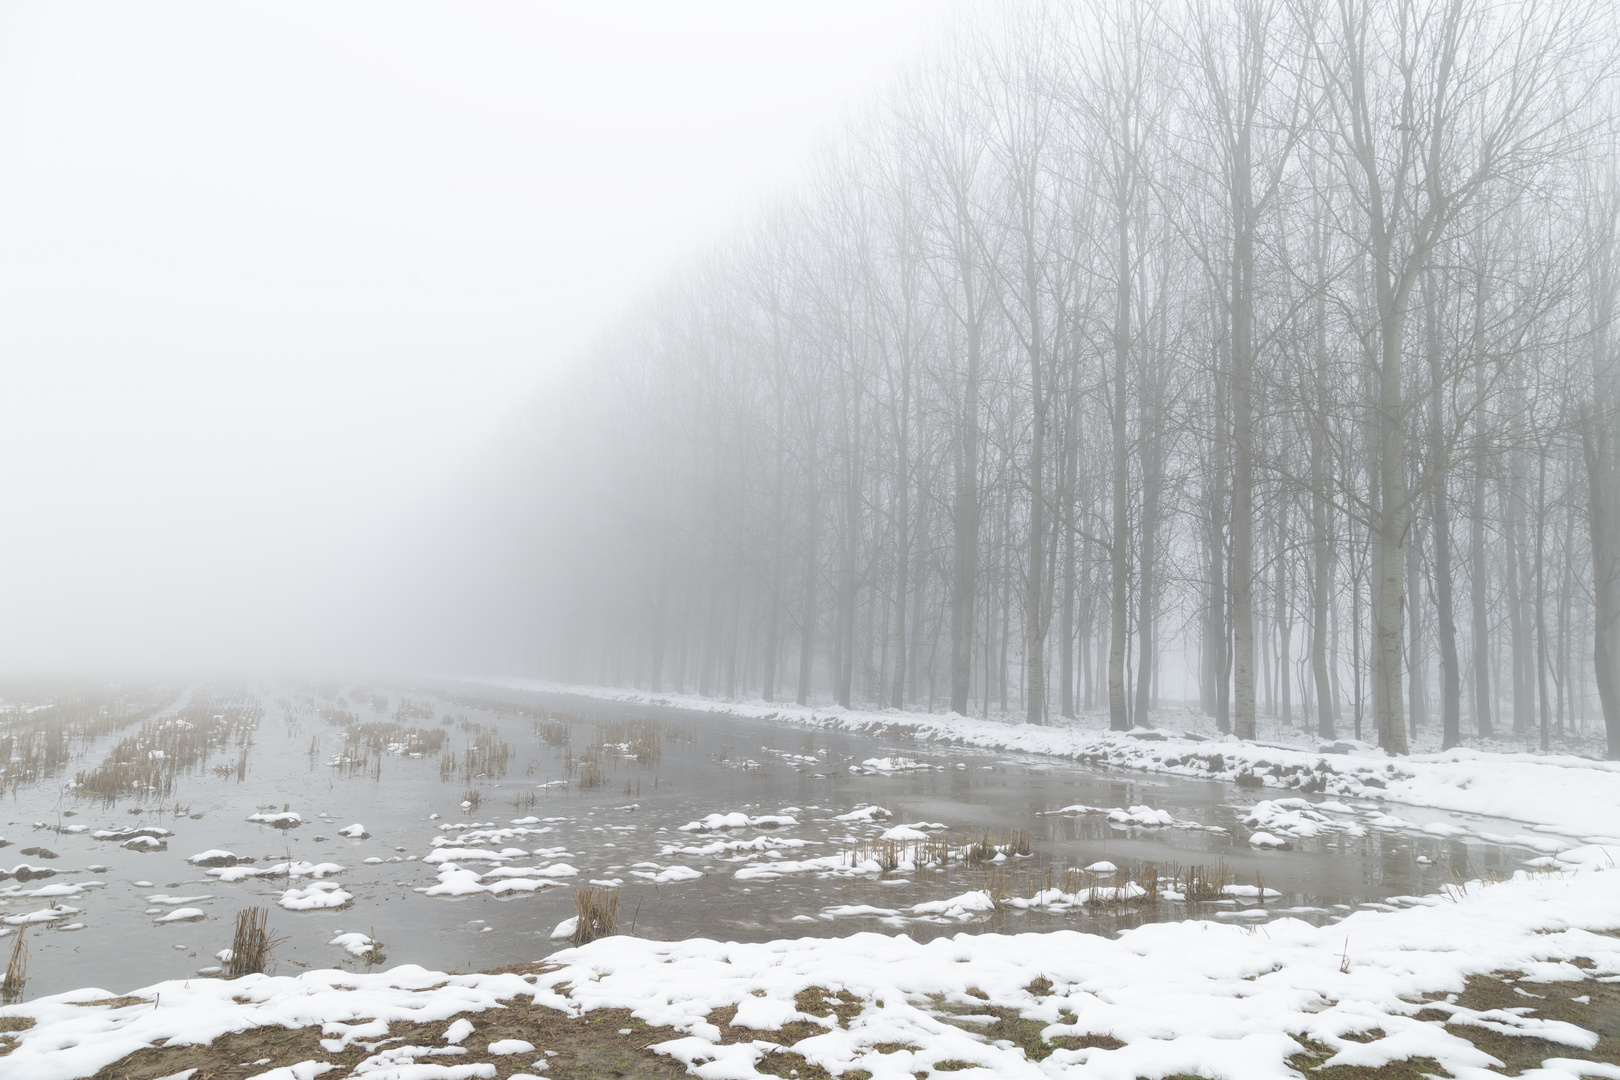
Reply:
x=272, y=275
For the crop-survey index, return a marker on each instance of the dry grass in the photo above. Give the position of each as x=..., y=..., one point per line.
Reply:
x=888, y=854
x=1010, y=843
x=486, y=757
x=597, y=911
x=413, y=710
x=44, y=725
x=1201, y=883
x=252, y=944
x=588, y=1047
x=148, y=762
x=11, y=987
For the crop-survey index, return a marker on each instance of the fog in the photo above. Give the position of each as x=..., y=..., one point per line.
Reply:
x=273, y=280
x=1148, y=361
x=1237, y=359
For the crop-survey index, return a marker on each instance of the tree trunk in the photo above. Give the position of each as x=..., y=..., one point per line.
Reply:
x=807, y=605
x=1150, y=455
x=965, y=521
x=1477, y=590
x=1119, y=551
x=1440, y=518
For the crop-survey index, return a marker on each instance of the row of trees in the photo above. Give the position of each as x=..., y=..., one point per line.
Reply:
x=1256, y=345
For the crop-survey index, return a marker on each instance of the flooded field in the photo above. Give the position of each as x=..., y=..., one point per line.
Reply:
x=451, y=826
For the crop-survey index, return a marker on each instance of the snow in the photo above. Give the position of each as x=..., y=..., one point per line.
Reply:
x=304, y=1070
x=458, y=1031
x=1298, y=818
x=738, y=820
x=893, y=765
x=230, y=874
x=505, y=1047
x=319, y=894
x=44, y=915
x=304, y=869
x=668, y=874
x=355, y=944
x=1203, y=997
x=1266, y=840
x=213, y=857
x=288, y=819
x=185, y=914
x=456, y=880
x=958, y=907
x=865, y=813
x=454, y=854
x=1567, y=795
x=1139, y=816
x=354, y=832
x=565, y=929
x=155, y=831
x=903, y=832
x=59, y=889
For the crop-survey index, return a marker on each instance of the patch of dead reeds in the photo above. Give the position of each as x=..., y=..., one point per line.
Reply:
x=252, y=944
x=596, y=913
x=11, y=987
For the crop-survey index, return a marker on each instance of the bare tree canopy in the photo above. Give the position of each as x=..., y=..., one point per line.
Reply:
x=1248, y=356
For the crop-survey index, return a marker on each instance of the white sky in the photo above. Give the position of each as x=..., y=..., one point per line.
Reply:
x=270, y=274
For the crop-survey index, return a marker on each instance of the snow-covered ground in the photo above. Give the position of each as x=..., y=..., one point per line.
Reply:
x=1576, y=798
x=1196, y=997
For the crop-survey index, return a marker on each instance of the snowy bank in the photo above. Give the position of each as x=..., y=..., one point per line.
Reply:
x=1560, y=794
x=1197, y=997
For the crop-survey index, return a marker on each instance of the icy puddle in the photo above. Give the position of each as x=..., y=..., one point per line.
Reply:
x=402, y=826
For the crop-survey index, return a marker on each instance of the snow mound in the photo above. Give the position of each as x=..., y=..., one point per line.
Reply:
x=865, y=813
x=668, y=874
x=287, y=819
x=738, y=820
x=890, y=765
x=355, y=944
x=120, y=835
x=457, y=880
x=1297, y=818
x=916, y=830
x=44, y=915
x=965, y=906
x=1146, y=817
x=505, y=1047
x=317, y=895
x=185, y=914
